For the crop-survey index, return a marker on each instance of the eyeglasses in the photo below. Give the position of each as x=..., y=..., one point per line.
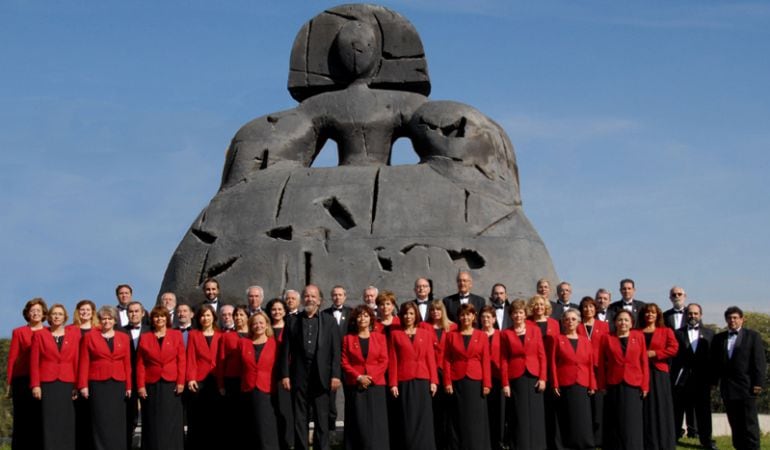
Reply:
x=677, y=294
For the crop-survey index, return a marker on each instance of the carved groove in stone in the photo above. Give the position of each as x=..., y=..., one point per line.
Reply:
x=282, y=233
x=339, y=213
x=375, y=194
x=206, y=238
x=280, y=197
x=308, y=268
x=473, y=259
x=467, y=194
x=219, y=269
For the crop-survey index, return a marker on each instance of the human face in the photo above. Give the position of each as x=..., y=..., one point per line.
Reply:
x=409, y=317
x=338, y=296
x=277, y=312
x=588, y=310
x=693, y=315
x=363, y=321
x=312, y=297
x=421, y=288
x=85, y=313
x=623, y=323
x=564, y=291
x=499, y=295
x=211, y=290
x=227, y=316
x=370, y=297
x=292, y=300
x=184, y=315
x=206, y=319
x=436, y=314
x=677, y=297
x=518, y=316
x=35, y=314
x=56, y=317
x=258, y=325
x=124, y=296
x=627, y=291
x=107, y=322
x=168, y=300
x=466, y=320
x=159, y=322
x=544, y=289
x=135, y=314
x=386, y=308
x=240, y=318
x=487, y=321
x=650, y=316
x=603, y=300
x=538, y=309
x=734, y=321
x=254, y=297
x=570, y=321
x=464, y=282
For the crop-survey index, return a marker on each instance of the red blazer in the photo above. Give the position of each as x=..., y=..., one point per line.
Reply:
x=516, y=357
x=201, y=358
x=354, y=364
x=552, y=328
x=98, y=363
x=495, y=355
x=18, y=355
x=572, y=366
x=394, y=325
x=48, y=363
x=257, y=374
x=409, y=360
x=599, y=332
x=615, y=367
x=155, y=362
x=665, y=345
x=472, y=362
x=229, y=360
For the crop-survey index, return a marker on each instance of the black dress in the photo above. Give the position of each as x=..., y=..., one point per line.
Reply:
x=658, y=409
x=470, y=422
x=525, y=413
x=365, y=412
x=622, y=425
x=108, y=412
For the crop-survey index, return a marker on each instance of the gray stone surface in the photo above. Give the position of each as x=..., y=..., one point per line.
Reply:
x=361, y=78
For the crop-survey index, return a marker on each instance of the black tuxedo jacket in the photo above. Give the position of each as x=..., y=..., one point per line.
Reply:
x=327, y=356
x=670, y=321
x=690, y=368
x=612, y=310
x=452, y=304
x=127, y=329
x=557, y=309
x=345, y=324
x=747, y=367
x=507, y=321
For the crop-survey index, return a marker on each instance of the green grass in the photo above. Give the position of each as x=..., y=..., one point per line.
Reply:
x=723, y=442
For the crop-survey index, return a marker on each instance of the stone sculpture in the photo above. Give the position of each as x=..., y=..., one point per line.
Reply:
x=360, y=76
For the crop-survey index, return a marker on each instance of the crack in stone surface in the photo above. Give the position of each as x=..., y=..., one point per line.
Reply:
x=218, y=269
x=339, y=213
x=280, y=197
x=375, y=194
x=281, y=233
x=473, y=259
x=203, y=236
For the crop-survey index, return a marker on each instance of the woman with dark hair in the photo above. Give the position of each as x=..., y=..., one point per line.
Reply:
x=85, y=320
x=229, y=369
x=596, y=331
x=203, y=398
x=624, y=374
x=278, y=310
x=468, y=379
x=53, y=366
x=658, y=406
x=523, y=370
x=573, y=381
x=26, y=410
x=160, y=375
x=364, y=363
x=104, y=379
x=496, y=398
x=413, y=379
x=258, y=354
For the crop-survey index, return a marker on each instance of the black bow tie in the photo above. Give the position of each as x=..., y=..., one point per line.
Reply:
x=499, y=306
x=210, y=302
x=678, y=311
x=184, y=330
x=121, y=307
x=733, y=333
x=422, y=302
x=136, y=327
x=693, y=328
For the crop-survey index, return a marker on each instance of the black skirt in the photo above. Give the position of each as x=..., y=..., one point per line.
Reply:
x=203, y=415
x=573, y=413
x=526, y=414
x=597, y=416
x=27, y=416
x=365, y=411
x=441, y=402
x=470, y=426
x=108, y=414
x=284, y=416
x=658, y=411
x=83, y=438
x=415, y=411
x=623, y=428
x=58, y=410
x=162, y=427
x=263, y=432
x=496, y=414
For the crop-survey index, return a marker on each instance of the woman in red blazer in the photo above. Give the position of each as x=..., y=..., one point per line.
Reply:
x=364, y=363
x=160, y=374
x=387, y=320
x=258, y=353
x=53, y=366
x=496, y=398
x=658, y=408
x=540, y=313
x=596, y=331
x=573, y=380
x=203, y=398
x=624, y=374
x=413, y=379
x=84, y=319
x=26, y=410
x=523, y=370
x=104, y=379
x=468, y=378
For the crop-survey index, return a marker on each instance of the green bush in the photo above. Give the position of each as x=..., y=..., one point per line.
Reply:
x=6, y=418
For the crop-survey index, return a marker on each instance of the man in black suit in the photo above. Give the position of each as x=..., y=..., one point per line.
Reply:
x=291, y=297
x=422, y=290
x=309, y=365
x=691, y=377
x=562, y=303
x=340, y=312
x=134, y=328
x=674, y=318
x=463, y=296
x=738, y=363
x=211, y=292
x=254, y=297
x=627, y=301
x=499, y=300
x=124, y=294
x=603, y=298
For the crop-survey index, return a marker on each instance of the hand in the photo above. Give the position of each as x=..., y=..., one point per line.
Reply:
x=128, y=393
x=142, y=393
x=449, y=390
x=37, y=393
x=756, y=390
x=433, y=389
x=591, y=392
x=193, y=385
x=540, y=385
x=285, y=383
x=364, y=381
x=507, y=391
x=644, y=394
x=222, y=392
x=74, y=394
x=485, y=391
x=556, y=392
x=336, y=383
x=651, y=353
x=84, y=392
x=8, y=391
x=179, y=389
x=394, y=391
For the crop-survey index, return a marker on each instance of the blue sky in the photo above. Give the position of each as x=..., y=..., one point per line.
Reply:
x=641, y=129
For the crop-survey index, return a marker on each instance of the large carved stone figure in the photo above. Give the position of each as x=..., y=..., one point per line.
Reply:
x=360, y=77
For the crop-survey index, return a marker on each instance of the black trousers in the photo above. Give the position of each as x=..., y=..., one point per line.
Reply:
x=744, y=423
x=306, y=395
x=694, y=400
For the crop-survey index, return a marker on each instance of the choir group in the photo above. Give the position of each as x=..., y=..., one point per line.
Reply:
x=454, y=373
